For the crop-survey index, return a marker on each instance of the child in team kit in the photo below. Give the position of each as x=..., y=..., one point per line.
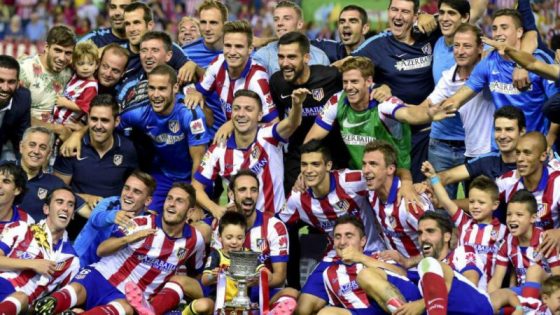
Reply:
x=73, y=105
x=477, y=228
x=521, y=249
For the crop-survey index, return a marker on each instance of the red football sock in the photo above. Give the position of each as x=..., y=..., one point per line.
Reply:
x=63, y=300
x=168, y=298
x=531, y=290
x=102, y=310
x=435, y=293
x=8, y=307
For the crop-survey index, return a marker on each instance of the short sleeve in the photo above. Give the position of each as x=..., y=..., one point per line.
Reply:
x=327, y=116
x=478, y=79
x=278, y=241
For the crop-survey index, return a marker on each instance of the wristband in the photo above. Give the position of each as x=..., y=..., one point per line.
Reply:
x=434, y=180
x=519, y=308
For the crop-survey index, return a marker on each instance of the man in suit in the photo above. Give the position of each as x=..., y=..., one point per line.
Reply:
x=15, y=107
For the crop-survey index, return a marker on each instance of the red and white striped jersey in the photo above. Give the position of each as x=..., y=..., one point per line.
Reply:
x=523, y=257
x=22, y=241
x=254, y=78
x=399, y=220
x=547, y=195
x=348, y=195
x=485, y=239
x=151, y=262
x=532, y=306
x=342, y=287
x=464, y=258
x=18, y=214
x=80, y=92
x=264, y=157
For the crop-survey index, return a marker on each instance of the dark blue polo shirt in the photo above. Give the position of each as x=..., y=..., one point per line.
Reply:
x=101, y=176
x=334, y=50
x=490, y=165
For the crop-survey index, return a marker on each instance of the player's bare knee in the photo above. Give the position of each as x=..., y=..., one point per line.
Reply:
x=309, y=304
x=203, y=306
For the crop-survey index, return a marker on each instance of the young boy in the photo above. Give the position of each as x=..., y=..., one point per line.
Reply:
x=477, y=228
x=73, y=105
x=520, y=248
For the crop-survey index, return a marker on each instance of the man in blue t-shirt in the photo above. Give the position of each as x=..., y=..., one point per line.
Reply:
x=104, y=36
x=403, y=61
x=495, y=73
x=178, y=134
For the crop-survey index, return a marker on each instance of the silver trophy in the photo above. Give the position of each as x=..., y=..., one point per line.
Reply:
x=242, y=268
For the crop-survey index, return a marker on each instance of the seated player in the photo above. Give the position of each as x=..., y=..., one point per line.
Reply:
x=12, y=182
x=37, y=258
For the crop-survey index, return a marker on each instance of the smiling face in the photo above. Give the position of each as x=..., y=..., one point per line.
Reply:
x=101, y=124
x=530, y=156
x=292, y=61
x=135, y=26
x=504, y=30
x=286, y=20
x=245, y=114
x=449, y=20
x=60, y=210
x=433, y=242
x=176, y=206
x=58, y=57
x=8, y=84
x=232, y=238
x=466, y=49
x=8, y=190
x=506, y=134
x=401, y=18
x=111, y=69
x=481, y=205
x=153, y=54
x=35, y=150
x=134, y=195
x=314, y=168
x=211, y=26
x=161, y=93
x=356, y=87
x=351, y=28
x=376, y=172
x=115, y=10
x=552, y=301
x=519, y=219
x=188, y=32
x=236, y=51
x=245, y=194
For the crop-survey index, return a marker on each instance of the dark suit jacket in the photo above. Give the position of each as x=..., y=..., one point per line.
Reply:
x=16, y=119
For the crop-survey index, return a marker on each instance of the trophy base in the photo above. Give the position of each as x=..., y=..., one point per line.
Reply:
x=240, y=310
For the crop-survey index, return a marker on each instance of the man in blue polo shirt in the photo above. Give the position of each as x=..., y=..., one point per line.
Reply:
x=35, y=149
x=403, y=61
x=104, y=36
x=106, y=158
x=495, y=73
x=133, y=201
x=178, y=134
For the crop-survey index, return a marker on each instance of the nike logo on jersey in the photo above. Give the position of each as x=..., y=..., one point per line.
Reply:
x=346, y=124
x=401, y=55
x=285, y=96
x=495, y=72
x=81, y=158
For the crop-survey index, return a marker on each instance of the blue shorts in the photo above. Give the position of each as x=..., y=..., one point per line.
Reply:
x=6, y=288
x=98, y=290
x=314, y=284
x=465, y=299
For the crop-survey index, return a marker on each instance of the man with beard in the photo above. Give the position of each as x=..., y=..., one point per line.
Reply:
x=288, y=17
x=46, y=75
x=135, y=197
x=323, y=82
x=102, y=149
x=35, y=149
x=165, y=242
x=102, y=37
x=48, y=261
x=178, y=134
x=353, y=25
x=15, y=107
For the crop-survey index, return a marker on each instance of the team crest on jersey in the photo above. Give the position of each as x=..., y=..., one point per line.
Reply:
x=182, y=253
x=342, y=205
x=117, y=159
x=262, y=244
x=318, y=94
x=83, y=273
x=427, y=49
x=256, y=152
x=23, y=255
x=542, y=210
x=42, y=193
x=536, y=256
x=470, y=257
x=494, y=235
x=60, y=266
x=392, y=221
x=174, y=126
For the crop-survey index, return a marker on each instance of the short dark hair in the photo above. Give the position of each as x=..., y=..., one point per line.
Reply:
x=512, y=113
x=551, y=285
x=9, y=62
x=351, y=219
x=443, y=220
x=20, y=178
x=105, y=100
x=526, y=197
x=297, y=38
x=232, y=218
x=240, y=173
x=416, y=4
x=466, y=27
x=163, y=36
x=317, y=146
x=48, y=199
x=61, y=35
x=146, y=179
x=487, y=185
x=242, y=27
x=511, y=13
x=250, y=94
x=461, y=6
x=361, y=11
x=389, y=152
x=188, y=188
x=167, y=70
x=148, y=16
